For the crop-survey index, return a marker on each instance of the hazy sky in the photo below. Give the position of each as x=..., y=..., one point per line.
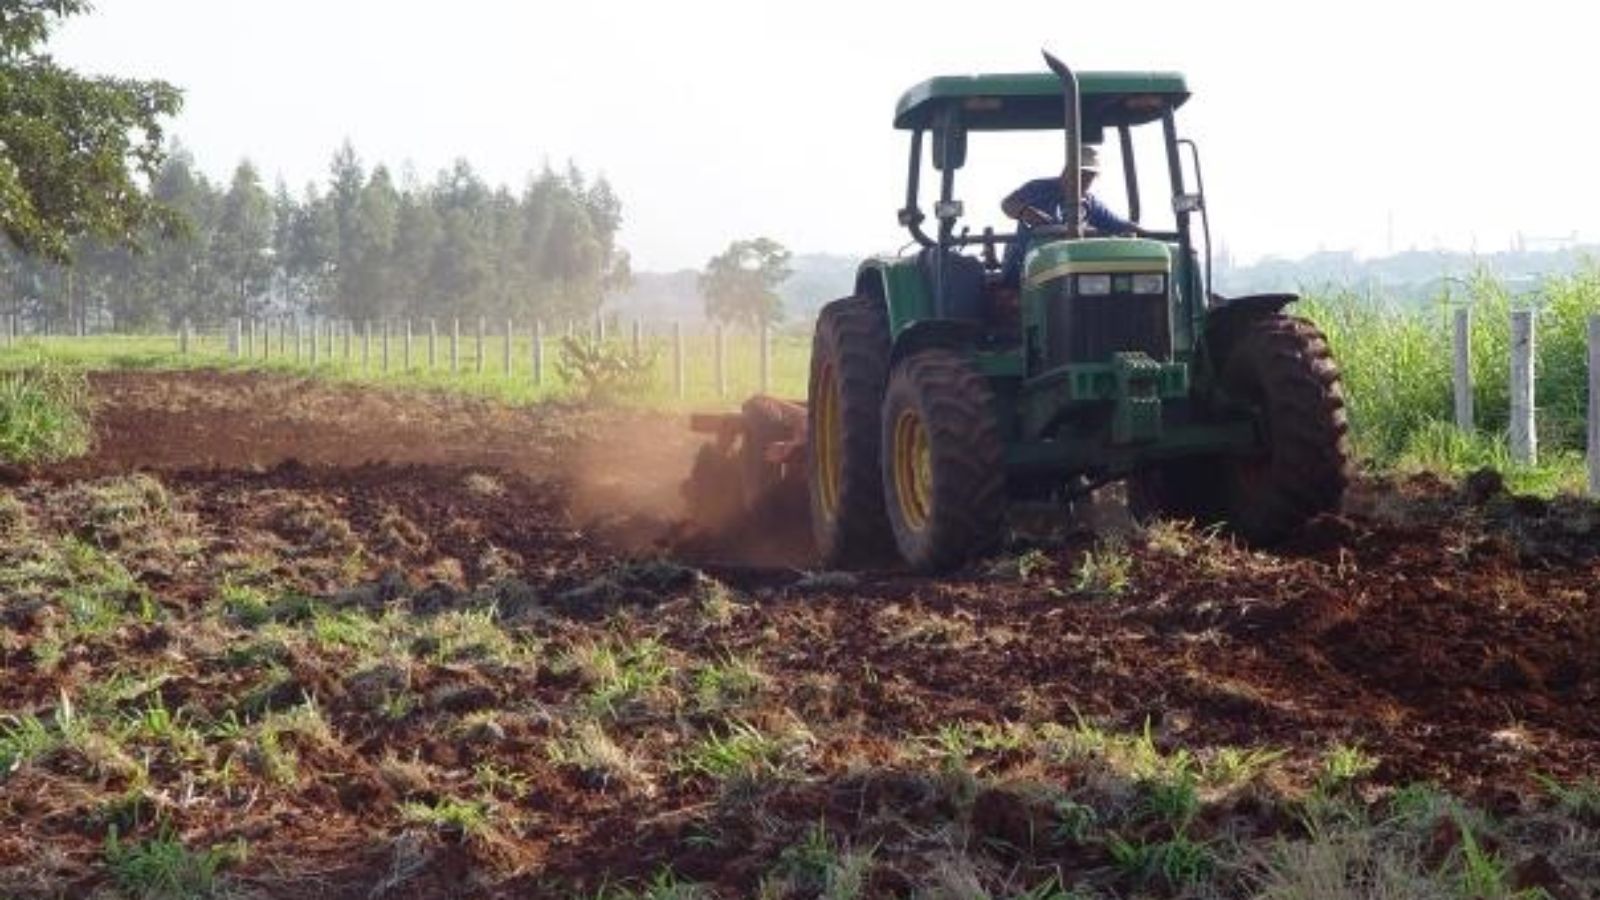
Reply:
x=1319, y=123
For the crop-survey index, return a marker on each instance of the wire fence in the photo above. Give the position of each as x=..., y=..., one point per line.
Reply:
x=699, y=363
x=674, y=360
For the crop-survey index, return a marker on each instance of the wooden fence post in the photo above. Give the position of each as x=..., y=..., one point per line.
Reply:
x=366, y=343
x=1463, y=369
x=1524, y=439
x=433, y=340
x=235, y=339
x=385, y=368
x=478, y=362
x=678, y=382
x=183, y=338
x=638, y=338
x=1594, y=406
x=538, y=353
x=721, y=363
x=766, y=357
x=455, y=345
x=511, y=337
x=316, y=335
x=405, y=355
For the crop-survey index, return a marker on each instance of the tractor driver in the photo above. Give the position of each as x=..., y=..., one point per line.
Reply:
x=1039, y=202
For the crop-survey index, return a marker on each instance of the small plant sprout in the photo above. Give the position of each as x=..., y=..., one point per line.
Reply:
x=1103, y=572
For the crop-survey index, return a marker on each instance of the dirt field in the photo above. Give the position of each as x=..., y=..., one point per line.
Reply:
x=282, y=638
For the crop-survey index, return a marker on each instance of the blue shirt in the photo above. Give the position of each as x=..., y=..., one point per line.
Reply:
x=1046, y=194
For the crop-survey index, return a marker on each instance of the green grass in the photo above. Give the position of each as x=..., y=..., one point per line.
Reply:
x=163, y=867
x=44, y=414
x=451, y=815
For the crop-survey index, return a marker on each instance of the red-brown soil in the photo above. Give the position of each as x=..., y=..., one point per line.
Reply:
x=1455, y=642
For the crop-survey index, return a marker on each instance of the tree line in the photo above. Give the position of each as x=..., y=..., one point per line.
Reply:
x=364, y=245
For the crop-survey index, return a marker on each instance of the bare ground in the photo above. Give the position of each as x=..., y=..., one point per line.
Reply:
x=484, y=609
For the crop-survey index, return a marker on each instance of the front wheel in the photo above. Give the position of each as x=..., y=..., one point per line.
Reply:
x=1283, y=368
x=943, y=462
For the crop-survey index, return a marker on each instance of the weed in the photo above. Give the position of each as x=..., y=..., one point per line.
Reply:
x=1580, y=799
x=451, y=815
x=819, y=866
x=605, y=371
x=500, y=781
x=24, y=739
x=743, y=751
x=664, y=886
x=1104, y=572
x=1074, y=821
x=734, y=681
x=1233, y=767
x=1483, y=875
x=715, y=600
x=596, y=756
x=344, y=629
x=1178, y=862
x=1342, y=765
x=164, y=867
x=1173, y=801
x=957, y=742
x=468, y=634
x=618, y=674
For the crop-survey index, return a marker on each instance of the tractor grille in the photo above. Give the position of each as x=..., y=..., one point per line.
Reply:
x=1090, y=329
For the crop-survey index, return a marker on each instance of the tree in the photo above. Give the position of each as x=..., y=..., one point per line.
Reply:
x=242, y=245
x=72, y=148
x=741, y=284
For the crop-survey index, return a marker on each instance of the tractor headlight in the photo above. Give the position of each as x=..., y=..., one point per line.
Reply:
x=1154, y=283
x=1094, y=285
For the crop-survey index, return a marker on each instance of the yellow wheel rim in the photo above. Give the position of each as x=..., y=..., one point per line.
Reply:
x=913, y=470
x=829, y=438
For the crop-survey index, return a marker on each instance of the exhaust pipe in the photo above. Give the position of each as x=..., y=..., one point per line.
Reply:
x=1073, y=126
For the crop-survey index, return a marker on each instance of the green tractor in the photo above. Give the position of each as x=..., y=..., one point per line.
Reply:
x=939, y=395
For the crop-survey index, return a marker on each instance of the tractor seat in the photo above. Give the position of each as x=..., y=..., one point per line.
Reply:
x=963, y=283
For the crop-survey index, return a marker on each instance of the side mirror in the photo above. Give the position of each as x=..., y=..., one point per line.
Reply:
x=1188, y=203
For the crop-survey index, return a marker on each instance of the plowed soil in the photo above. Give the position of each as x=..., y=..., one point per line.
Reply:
x=1452, y=635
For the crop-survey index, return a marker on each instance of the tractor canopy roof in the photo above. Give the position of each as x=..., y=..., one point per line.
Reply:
x=1033, y=100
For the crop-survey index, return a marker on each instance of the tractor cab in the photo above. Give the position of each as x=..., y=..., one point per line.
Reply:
x=960, y=271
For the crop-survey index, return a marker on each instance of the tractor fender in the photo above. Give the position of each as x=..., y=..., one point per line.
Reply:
x=945, y=334
x=1226, y=313
x=899, y=286
x=1251, y=304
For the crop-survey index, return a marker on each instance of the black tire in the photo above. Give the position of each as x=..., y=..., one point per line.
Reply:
x=943, y=462
x=849, y=370
x=1282, y=366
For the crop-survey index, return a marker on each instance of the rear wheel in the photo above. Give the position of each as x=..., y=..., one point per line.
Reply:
x=849, y=368
x=944, y=462
x=1282, y=366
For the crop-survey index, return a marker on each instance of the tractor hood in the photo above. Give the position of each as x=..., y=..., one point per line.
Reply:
x=1048, y=262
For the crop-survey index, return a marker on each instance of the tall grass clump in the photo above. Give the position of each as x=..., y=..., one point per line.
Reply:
x=1397, y=365
x=44, y=415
